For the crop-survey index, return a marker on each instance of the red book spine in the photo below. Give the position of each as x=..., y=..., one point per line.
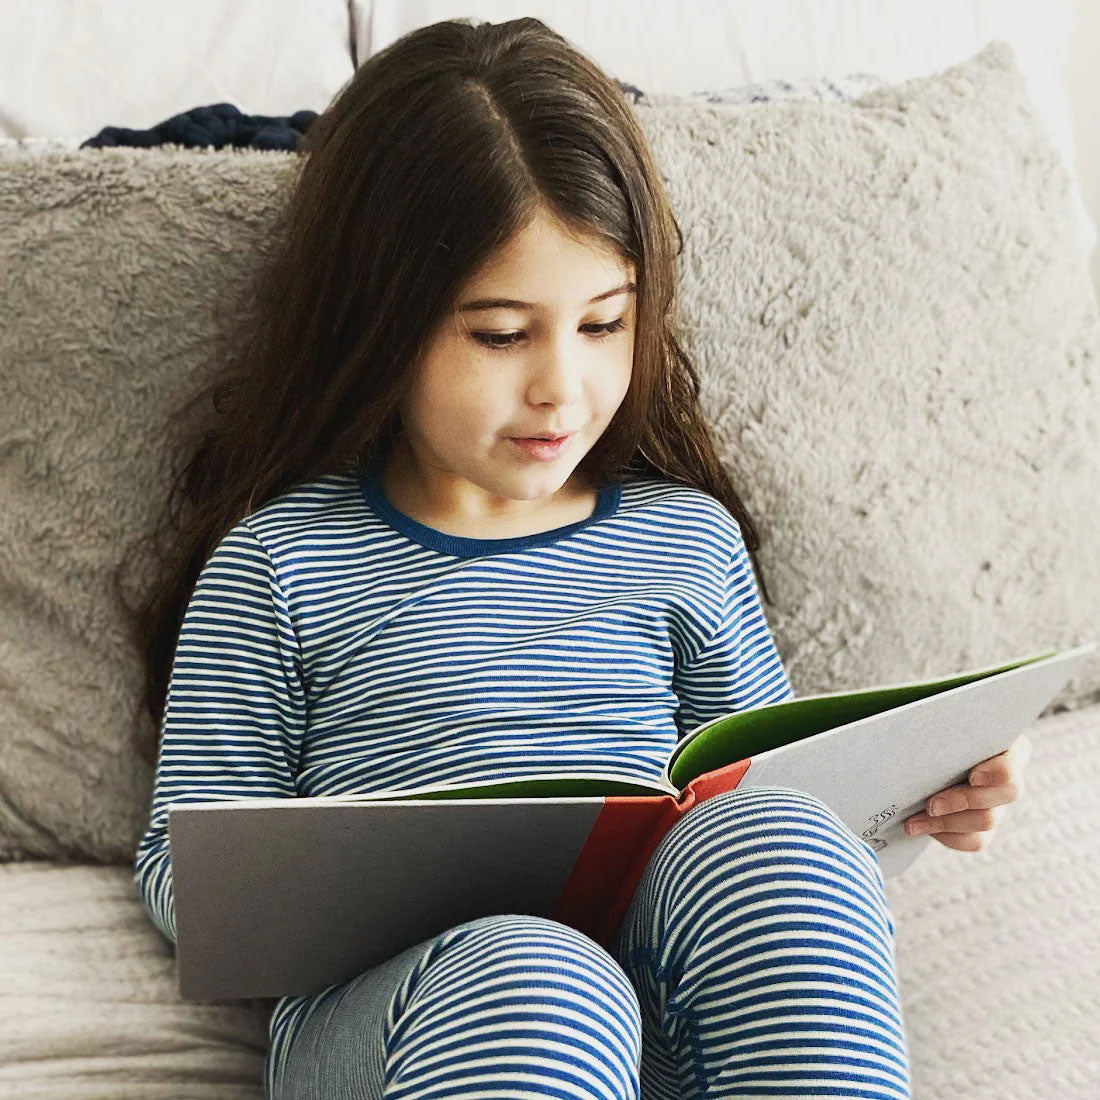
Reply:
x=614, y=858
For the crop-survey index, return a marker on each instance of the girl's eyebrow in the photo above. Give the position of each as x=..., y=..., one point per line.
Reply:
x=512, y=303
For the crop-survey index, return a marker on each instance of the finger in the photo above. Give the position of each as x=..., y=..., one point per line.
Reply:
x=969, y=821
x=963, y=842
x=997, y=769
x=964, y=797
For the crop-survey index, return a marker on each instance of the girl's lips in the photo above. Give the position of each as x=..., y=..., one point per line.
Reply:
x=543, y=448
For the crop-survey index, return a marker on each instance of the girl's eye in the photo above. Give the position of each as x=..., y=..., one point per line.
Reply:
x=503, y=341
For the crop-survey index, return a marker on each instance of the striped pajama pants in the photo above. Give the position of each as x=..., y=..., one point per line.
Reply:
x=756, y=959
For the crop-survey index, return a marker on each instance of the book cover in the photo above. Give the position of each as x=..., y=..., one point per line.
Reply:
x=289, y=895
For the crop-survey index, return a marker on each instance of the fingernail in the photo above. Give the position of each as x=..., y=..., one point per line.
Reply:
x=918, y=827
x=982, y=779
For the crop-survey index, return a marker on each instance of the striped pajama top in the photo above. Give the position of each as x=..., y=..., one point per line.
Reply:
x=334, y=645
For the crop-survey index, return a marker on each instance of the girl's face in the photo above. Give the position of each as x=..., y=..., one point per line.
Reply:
x=561, y=363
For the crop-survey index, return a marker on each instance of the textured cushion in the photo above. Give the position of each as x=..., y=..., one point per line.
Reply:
x=898, y=342
x=997, y=956
x=894, y=328
x=89, y=1004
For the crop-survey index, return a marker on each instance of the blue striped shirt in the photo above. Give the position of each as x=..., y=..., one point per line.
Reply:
x=333, y=645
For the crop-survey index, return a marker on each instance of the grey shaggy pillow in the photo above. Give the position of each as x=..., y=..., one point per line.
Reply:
x=894, y=328
x=897, y=338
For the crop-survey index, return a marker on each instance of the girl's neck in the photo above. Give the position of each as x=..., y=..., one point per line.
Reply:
x=575, y=501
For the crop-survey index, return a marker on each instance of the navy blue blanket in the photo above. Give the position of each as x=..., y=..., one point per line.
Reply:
x=218, y=125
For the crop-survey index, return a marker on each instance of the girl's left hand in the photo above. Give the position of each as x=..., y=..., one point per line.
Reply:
x=967, y=812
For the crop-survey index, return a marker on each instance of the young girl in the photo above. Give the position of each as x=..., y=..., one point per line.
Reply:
x=383, y=581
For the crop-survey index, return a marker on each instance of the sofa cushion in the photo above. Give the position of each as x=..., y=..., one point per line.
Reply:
x=896, y=336
x=996, y=955
x=89, y=1005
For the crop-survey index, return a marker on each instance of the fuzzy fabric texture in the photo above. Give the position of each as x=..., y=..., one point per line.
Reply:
x=897, y=338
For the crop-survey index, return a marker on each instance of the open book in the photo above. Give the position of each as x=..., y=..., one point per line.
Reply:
x=279, y=896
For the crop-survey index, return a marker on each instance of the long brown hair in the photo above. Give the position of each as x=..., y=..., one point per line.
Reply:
x=435, y=152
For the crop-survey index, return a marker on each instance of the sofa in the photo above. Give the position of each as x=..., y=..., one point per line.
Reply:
x=889, y=307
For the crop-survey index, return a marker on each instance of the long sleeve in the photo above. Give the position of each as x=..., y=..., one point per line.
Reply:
x=738, y=667
x=235, y=710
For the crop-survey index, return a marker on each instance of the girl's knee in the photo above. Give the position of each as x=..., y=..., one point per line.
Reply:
x=542, y=963
x=759, y=801
x=783, y=815
x=732, y=843
x=531, y=982
x=526, y=935
x=516, y=937
x=782, y=806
